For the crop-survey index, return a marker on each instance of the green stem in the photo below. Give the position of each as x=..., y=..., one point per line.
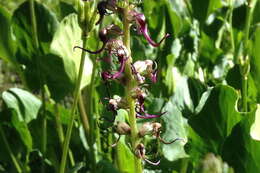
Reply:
x=15, y=162
x=97, y=130
x=91, y=115
x=73, y=109
x=130, y=85
x=184, y=165
x=61, y=133
x=44, y=120
x=246, y=61
x=230, y=20
x=83, y=115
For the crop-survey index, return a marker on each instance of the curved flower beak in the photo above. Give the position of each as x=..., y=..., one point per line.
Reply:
x=142, y=28
x=148, y=116
x=106, y=75
x=92, y=52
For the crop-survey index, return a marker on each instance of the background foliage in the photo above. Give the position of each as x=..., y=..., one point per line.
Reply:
x=202, y=71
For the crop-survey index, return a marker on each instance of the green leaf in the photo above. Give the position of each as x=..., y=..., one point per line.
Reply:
x=255, y=128
x=125, y=158
x=213, y=122
x=23, y=130
x=23, y=103
x=27, y=53
x=218, y=116
x=6, y=46
x=25, y=107
x=67, y=36
x=240, y=150
x=56, y=78
x=174, y=124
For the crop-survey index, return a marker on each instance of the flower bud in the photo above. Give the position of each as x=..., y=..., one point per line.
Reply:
x=123, y=128
x=145, y=129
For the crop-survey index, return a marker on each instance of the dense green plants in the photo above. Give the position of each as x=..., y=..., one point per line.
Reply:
x=130, y=86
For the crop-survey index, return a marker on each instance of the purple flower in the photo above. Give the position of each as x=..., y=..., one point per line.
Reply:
x=107, y=75
x=143, y=28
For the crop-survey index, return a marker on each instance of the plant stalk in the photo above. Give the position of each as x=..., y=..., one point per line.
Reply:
x=92, y=130
x=13, y=158
x=130, y=85
x=61, y=133
x=44, y=120
x=73, y=109
x=246, y=61
x=83, y=115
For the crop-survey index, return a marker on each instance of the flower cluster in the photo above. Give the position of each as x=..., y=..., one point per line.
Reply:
x=143, y=72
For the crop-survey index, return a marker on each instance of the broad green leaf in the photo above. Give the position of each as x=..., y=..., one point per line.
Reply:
x=255, y=128
x=23, y=130
x=125, y=157
x=214, y=119
x=174, y=124
x=27, y=53
x=6, y=47
x=23, y=103
x=67, y=36
x=56, y=78
x=25, y=107
x=239, y=150
x=218, y=116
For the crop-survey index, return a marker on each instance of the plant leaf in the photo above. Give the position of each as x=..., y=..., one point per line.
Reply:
x=68, y=35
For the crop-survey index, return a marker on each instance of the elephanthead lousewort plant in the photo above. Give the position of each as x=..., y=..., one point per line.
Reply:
x=139, y=75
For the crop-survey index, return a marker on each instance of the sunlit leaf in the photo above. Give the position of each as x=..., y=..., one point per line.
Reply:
x=68, y=36
x=255, y=128
x=24, y=103
x=25, y=107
